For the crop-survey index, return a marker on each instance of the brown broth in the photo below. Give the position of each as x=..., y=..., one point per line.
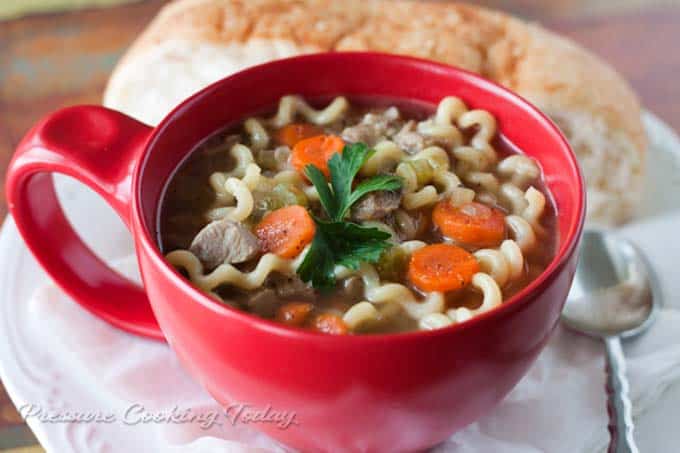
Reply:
x=188, y=195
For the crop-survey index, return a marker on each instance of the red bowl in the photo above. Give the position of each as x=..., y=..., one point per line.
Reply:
x=397, y=392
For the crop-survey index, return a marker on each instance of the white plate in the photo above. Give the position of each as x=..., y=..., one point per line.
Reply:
x=31, y=373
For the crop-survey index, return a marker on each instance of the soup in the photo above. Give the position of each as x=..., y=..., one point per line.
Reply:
x=369, y=217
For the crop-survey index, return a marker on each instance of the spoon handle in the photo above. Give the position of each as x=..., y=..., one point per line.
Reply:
x=619, y=406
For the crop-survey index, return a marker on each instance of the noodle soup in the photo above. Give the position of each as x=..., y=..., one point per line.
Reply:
x=360, y=217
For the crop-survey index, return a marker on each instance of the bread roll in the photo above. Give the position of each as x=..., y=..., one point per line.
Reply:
x=192, y=43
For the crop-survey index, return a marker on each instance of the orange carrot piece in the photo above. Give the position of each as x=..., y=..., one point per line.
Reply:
x=441, y=267
x=294, y=313
x=291, y=134
x=330, y=324
x=286, y=231
x=471, y=224
x=316, y=151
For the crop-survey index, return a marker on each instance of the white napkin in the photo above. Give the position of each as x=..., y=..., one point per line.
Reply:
x=558, y=407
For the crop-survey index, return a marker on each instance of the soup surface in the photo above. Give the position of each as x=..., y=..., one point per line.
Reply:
x=366, y=218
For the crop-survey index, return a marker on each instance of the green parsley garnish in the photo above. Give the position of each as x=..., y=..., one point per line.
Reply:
x=336, y=241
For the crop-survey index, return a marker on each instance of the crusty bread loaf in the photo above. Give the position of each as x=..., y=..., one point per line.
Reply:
x=192, y=43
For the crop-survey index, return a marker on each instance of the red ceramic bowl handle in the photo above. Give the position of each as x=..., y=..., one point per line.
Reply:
x=99, y=147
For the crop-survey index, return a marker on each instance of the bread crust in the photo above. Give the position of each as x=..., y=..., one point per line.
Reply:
x=592, y=103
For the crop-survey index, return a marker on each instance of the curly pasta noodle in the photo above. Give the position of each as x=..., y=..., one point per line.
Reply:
x=443, y=126
x=434, y=321
x=425, y=197
x=461, y=196
x=222, y=196
x=521, y=170
x=514, y=197
x=429, y=166
x=486, y=128
x=522, y=232
x=396, y=292
x=527, y=208
x=360, y=314
x=239, y=190
x=503, y=264
x=387, y=155
x=228, y=274
x=290, y=106
x=480, y=155
x=243, y=157
x=365, y=314
x=483, y=180
x=535, y=208
x=492, y=297
x=259, y=138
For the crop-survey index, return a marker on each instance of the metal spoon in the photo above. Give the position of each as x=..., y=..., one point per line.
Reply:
x=614, y=297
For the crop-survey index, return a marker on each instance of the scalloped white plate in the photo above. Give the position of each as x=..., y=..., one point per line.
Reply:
x=32, y=374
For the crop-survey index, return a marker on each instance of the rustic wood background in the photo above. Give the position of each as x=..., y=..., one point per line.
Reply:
x=51, y=61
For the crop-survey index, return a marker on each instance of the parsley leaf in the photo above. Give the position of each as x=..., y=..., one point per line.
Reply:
x=338, y=242
x=319, y=264
x=344, y=167
x=352, y=243
x=325, y=196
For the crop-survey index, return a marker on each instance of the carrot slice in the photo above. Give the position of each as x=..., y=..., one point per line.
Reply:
x=472, y=223
x=316, y=151
x=441, y=267
x=291, y=134
x=286, y=231
x=294, y=313
x=329, y=323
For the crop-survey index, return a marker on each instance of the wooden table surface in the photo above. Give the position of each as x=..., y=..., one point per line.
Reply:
x=51, y=61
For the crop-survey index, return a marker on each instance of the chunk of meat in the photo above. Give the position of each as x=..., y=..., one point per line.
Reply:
x=289, y=286
x=224, y=241
x=372, y=128
x=263, y=303
x=376, y=205
x=411, y=140
x=408, y=225
x=364, y=133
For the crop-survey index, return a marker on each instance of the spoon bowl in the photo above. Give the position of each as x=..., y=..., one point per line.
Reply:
x=613, y=292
